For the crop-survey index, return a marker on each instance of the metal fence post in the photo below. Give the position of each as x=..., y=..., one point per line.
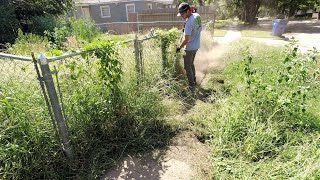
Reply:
x=137, y=58
x=141, y=61
x=44, y=92
x=164, y=59
x=62, y=128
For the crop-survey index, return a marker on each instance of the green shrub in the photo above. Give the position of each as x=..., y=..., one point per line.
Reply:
x=106, y=113
x=218, y=24
x=285, y=88
x=210, y=26
x=41, y=24
x=84, y=30
x=29, y=148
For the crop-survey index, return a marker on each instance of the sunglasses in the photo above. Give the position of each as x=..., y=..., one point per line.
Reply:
x=182, y=13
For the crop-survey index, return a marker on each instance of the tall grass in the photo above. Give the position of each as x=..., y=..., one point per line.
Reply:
x=265, y=124
x=27, y=43
x=103, y=126
x=29, y=147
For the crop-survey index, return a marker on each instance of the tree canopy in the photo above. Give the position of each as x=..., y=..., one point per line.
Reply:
x=247, y=10
x=14, y=11
x=41, y=7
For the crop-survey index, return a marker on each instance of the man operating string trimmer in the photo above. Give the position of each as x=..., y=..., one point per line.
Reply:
x=191, y=41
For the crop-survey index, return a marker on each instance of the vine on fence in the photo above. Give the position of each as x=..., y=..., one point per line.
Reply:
x=110, y=67
x=166, y=39
x=102, y=88
x=98, y=96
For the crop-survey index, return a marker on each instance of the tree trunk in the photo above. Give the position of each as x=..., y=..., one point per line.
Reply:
x=243, y=16
x=200, y=2
x=251, y=11
x=215, y=4
x=292, y=10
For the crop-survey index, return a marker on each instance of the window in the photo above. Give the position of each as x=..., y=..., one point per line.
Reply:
x=149, y=6
x=105, y=11
x=130, y=9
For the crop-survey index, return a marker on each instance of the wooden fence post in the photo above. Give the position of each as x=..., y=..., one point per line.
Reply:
x=62, y=128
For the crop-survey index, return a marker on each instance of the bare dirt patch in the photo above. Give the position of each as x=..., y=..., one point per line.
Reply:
x=185, y=159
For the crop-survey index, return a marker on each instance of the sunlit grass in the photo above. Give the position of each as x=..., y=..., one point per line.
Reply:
x=100, y=137
x=219, y=32
x=223, y=23
x=247, y=145
x=258, y=34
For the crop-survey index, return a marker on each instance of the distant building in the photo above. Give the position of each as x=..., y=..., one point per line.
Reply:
x=105, y=11
x=127, y=16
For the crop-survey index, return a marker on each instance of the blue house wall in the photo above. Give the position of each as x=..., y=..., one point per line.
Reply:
x=117, y=10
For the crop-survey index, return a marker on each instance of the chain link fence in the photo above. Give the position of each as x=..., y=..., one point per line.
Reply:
x=141, y=63
x=17, y=76
x=19, y=85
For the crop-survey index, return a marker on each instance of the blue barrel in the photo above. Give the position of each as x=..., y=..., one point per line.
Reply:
x=279, y=26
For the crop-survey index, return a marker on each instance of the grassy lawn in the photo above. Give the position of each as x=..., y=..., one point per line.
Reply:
x=219, y=32
x=258, y=34
x=222, y=23
x=218, y=28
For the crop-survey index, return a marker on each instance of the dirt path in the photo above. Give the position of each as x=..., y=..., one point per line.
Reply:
x=183, y=160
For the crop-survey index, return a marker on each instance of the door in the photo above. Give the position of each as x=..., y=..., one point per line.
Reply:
x=130, y=8
x=85, y=12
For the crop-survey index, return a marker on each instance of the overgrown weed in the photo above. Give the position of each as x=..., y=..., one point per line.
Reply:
x=104, y=124
x=266, y=120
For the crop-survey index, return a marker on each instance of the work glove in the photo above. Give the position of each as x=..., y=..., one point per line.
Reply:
x=178, y=49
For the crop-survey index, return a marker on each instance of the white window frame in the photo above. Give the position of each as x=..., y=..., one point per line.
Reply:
x=134, y=9
x=102, y=16
x=149, y=5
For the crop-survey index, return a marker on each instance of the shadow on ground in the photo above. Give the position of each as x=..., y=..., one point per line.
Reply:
x=137, y=167
x=309, y=27
x=189, y=99
x=179, y=161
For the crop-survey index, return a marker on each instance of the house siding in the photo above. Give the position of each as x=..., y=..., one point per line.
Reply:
x=117, y=10
x=117, y=21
